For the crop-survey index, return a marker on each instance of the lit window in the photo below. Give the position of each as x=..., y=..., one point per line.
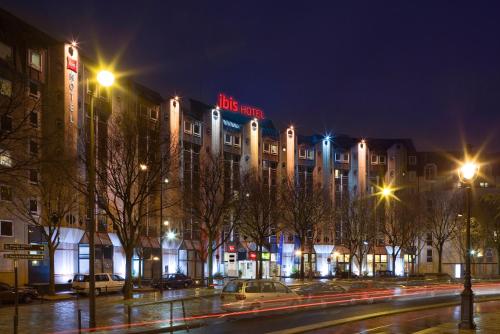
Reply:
x=5, y=52
x=5, y=159
x=6, y=229
x=35, y=60
x=197, y=129
x=483, y=184
x=237, y=141
x=5, y=193
x=228, y=139
x=412, y=160
x=337, y=174
x=374, y=159
x=267, y=148
x=310, y=154
x=188, y=127
x=381, y=159
x=302, y=153
x=6, y=123
x=5, y=87
x=274, y=149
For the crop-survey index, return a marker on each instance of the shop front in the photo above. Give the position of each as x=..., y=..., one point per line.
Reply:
x=190, y=262
x=340, y=258
x=380, y=265
x=103, y=253
x=146, y=260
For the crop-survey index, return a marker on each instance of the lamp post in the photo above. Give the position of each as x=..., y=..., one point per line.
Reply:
x=385, y=193
x=104, y=79
x=467, y=173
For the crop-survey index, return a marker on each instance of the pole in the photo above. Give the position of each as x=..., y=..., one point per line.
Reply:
x=16, y=298
x=162, y=179
x=467, y=303
x=91, y=221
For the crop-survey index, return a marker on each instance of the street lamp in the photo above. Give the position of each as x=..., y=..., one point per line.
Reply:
x=104, y=78
x=467, y=173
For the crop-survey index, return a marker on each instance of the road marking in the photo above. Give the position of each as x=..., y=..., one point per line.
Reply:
x=372, y=329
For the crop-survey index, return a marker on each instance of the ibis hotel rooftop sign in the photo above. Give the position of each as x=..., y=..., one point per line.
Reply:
x=230, y=103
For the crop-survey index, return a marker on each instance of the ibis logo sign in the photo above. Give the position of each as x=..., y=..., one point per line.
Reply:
x=71, y=81
x=230, y=103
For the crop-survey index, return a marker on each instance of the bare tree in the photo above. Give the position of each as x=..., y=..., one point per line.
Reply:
x=128, y=180
x=304, y=211
x=442, y=212
x=488, y=215
x=55, y=202
x=213, y=206
x=259, y=216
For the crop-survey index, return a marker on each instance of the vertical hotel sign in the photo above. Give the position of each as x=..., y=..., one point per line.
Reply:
x=71, y=81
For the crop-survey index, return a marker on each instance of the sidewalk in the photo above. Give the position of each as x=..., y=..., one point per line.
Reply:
x=486, y=322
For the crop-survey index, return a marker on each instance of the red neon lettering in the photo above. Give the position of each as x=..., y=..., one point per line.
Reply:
x=231, y=104
x=72, y=64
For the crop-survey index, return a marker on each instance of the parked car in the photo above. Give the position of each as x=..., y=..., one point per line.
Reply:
x=318, y=289
x=104, y=283
x=8, y=295
x=250, y=294
x=172, y=281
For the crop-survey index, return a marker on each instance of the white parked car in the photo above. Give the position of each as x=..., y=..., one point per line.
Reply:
x=251, y=294
x=104, y=283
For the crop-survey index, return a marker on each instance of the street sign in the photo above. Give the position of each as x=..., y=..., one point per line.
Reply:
x=23, y=256
x=14, y=247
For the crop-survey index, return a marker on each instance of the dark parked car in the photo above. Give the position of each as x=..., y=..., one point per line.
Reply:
x=172, y=281
x=7, y=294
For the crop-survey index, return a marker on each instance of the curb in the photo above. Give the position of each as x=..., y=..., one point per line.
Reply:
x=331, y=323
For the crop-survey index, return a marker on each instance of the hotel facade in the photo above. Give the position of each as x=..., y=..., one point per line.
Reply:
x=55, y=83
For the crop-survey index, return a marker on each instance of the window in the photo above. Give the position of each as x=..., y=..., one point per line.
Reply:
x=34, y=91
x=188, y=127
x=342, y=157
x=237, y=141
x=267, y=148
x=483, y=184
x=252, y=287
x=274, y=149
x=337, y=173
x=381, y=159
x=228, y=139
x=35, y=60
x=5, y=159
x=5, y=87
x=6, y=228
x=33, y=204
x=33, y=147
x=302, y=153
x=6, y=123
x=197, y=129
x=428, y=239
x=101, y=278
x=429, y=255
x=412, y=160
x=374, y=159
x=310, y=154
x=5, y=193
x=430, y=172
x=34, y=118
x=5, y=52
x=153, y=114
x=33, y=176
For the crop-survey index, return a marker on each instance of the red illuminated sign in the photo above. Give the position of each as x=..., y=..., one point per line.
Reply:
x=72, y=64
x=231, y=248
x=252, y=255
x=231, y=104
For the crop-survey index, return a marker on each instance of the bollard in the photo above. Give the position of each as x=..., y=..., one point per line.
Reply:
x=79, y=321
x=129, y=312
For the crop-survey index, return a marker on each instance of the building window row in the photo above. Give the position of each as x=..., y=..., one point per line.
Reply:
x=306, y=153
x=270, y=148
x=192, y=128
x=230, y=139
x=378, y=159
x=342, y=157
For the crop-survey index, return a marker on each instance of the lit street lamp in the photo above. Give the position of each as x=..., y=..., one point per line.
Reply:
x=105, y=79
x=467, y=173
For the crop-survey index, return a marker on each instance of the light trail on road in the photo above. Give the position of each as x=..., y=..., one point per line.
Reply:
x=327, y=300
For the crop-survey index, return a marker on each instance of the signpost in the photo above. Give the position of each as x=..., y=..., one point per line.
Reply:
x=20, y=256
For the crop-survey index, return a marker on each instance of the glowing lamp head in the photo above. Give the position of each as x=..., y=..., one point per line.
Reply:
x=469, y=171
x=166, y=223
x=143, y=167
x=298, y=252
x=170, y=235
x=386, y=191
x=105, y=78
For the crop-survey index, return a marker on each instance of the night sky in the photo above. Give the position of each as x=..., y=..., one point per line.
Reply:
x=425, y=70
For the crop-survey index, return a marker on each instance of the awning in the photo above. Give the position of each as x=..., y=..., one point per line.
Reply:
x=323, y=249
x=190, y=245
x=149, y=242
x=114, y=239
x=100, y=239
x=68, y=235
